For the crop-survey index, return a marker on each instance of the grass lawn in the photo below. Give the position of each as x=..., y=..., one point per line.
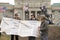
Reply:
x=4, y=37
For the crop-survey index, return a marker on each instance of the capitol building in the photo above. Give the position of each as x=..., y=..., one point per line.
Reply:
x=33, y=7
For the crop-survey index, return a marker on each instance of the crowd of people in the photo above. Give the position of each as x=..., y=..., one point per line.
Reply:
x=43, y=29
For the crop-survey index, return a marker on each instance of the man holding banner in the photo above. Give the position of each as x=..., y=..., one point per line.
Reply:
x=32, y=37
x=16, y=36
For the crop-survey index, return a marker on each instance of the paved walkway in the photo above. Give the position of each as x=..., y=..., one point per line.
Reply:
x=20, y=38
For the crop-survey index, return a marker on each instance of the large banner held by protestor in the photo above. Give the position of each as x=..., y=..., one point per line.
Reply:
x=23, y=28
x=10, y=26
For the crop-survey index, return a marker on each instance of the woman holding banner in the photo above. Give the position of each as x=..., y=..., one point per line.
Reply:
x=43, y=28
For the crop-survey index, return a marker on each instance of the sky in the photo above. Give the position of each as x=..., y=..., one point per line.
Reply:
x=55, y=1
x=12, y=1
x=7, y=1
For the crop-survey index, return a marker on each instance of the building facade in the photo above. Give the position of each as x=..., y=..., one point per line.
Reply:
x=33, y=7
x=9, y=10
x=56, y=13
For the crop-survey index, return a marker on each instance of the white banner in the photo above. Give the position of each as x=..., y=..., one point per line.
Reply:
x=10, y=26
x=29, y=28
x=20, y=27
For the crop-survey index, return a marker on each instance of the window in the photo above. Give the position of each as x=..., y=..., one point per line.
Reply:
x=26, y=15
x=33, y=13
x=53, y=10
x=38, y=13
x=59, y=11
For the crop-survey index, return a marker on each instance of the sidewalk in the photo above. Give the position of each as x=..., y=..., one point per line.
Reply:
x=26, y=38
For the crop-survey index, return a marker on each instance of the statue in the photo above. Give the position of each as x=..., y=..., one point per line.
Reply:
x=44, y=11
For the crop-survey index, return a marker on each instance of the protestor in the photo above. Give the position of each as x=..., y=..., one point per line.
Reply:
x=0, y=28
x=43, y=29
x=32, y=17
x=0, y=32
x=16, y=36
x=32, y=37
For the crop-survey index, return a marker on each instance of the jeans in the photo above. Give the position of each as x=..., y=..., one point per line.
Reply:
x=12, y=37
x=31, y=38
x=44, y=37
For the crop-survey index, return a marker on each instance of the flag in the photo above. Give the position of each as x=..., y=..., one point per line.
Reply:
x=26, y=7
x=2, y=9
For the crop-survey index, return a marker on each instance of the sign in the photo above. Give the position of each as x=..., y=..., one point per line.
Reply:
x=22, y=28
x=10, y=26
x=29, y=29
